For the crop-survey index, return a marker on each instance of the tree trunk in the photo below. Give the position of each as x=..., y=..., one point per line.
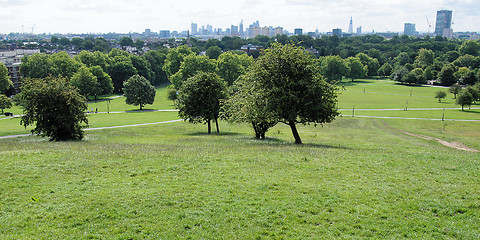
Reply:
x=257, y=131
x=216, y=125
x=209, y=127
x=141, y=106
x=295, y=132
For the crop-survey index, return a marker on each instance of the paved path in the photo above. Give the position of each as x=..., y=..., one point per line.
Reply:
x=407, y=118
x=409, y=109
x=100, y=128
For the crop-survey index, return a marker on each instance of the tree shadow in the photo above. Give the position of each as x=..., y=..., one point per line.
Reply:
x=350, y=83
x=270, y=141
x=213, y=134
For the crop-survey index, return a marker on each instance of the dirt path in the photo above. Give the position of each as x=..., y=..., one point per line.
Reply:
x=456, y=145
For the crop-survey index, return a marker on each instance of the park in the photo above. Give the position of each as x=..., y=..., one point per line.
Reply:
x=360, y=176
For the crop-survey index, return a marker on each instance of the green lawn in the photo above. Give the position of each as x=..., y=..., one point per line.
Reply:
x=353, y=178
x=373, y=94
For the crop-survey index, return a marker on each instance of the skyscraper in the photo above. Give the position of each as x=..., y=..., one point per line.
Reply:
x=350, y=27
x=298, y=31
x=409, y=29
x=443, y=26
x=194, y=29
x=240, y=30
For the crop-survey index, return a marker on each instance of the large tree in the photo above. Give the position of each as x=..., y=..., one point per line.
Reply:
x=464, y=98
x=86, y=83
x=55, y=107
x=5, y=102
x=199, y=98
x=5, y=82
x=334, y=68
x=293, y=89
x=38, y=65
x=191, y=65
x=104, y=80
x=248, y=104
x=446, y=76
x=230, y=66
x=357, y=69
x=138, y=91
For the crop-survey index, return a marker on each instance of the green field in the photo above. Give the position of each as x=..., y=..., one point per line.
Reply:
x=353, y=178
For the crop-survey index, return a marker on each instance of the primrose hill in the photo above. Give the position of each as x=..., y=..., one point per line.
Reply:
x=353, y=178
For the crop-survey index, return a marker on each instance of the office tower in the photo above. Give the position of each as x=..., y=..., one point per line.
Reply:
x=359, y=30
x=241, y=28
x=337, y=32
x=209, y=29
x=409, y=29
x=443, y=26
x=164, y=33
x=350, y=27
x=234, y=30
x=298, y=31
x=278, y=31
x=194, y=29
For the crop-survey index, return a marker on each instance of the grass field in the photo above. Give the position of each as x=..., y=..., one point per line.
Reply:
x=353, y=178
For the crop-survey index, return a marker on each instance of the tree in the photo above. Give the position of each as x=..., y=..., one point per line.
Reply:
x=138, y=91
x=120, y=70
x=126, y=41
x=425, y=58
x=455, y=89
x=401, y=59
x=464, y=98
x=38, y=65
x=371, y=63
x=213, y=52
x=473, y=91
x=467, y=60
x=248, y=104
x=191, y=65
x=5, y=82
x=294, y=91
x=230, y=66
x=446, y=76
x=55, y=107
x=65, y=66
x=357, y=69
x=440, y=94
x=86, y=83
x=465, y=76
x=385, y=70
x=398, y=75
x=103, y=79
x=470, y=47
x=5, y=102
x=175, y=58
x=334, y=68
x=199, y=98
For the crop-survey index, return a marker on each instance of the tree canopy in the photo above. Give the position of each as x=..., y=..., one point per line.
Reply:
x=55, y=107
x=293, y=89
x=5, y=82
x=199, y=98
x=138, y=91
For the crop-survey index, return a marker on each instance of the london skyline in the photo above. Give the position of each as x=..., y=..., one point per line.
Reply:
x=123, y=16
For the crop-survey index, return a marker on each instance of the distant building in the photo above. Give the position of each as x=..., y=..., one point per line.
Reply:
x=194, y=29
x=278, y=31
x=409, y=29
x=359, y=30
x=164, y=33
x=255, y=31
x=240, y=28
x=350, y=26
x=12, y=60
x=234, y=30
x=337, y=32
x=298, y=31
x=249, y=48
x=443, y=26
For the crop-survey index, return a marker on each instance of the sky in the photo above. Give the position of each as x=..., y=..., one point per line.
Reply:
x=124, y=16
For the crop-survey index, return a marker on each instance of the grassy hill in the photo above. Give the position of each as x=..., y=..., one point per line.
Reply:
x=353, y=178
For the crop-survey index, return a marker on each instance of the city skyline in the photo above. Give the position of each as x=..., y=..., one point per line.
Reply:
x=123, y=16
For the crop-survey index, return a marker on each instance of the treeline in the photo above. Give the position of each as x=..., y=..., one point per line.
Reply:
x=97, y=73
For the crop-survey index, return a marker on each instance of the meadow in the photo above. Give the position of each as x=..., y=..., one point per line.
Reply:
x=353, y=178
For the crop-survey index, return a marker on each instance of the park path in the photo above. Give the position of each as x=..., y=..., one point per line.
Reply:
x=100, y=128
x=455, y=145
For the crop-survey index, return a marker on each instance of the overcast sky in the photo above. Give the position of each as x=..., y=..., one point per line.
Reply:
x=123, y=16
